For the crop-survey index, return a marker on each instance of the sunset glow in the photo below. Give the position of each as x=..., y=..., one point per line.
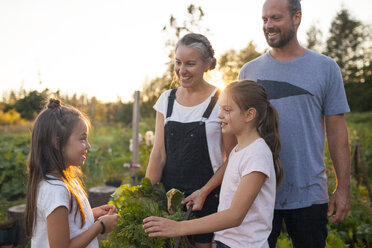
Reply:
x=109, y=49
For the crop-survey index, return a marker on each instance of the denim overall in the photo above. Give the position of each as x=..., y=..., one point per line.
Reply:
x=188, y=166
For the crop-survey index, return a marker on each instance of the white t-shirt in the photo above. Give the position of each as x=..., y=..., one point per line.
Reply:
x=257, y=224
x=185, y=114
x=53, y=194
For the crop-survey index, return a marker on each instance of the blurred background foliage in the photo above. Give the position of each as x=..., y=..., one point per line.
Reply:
x=348, y=42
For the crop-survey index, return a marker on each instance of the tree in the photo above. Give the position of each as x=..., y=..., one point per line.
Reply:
x=347, y=44
x=151, y=93
x=232, y=61
x=9, y=118
x=30, y=105
x=313, y=38
x=367, y=68
x=174, y=30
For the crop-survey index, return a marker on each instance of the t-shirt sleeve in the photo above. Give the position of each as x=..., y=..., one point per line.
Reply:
x=335, y=101
x=259, y=162
x=52, y=195
x=241, y=75
x=161, y=104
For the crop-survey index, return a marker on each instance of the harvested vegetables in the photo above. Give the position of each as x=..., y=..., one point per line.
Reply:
x=133, y=204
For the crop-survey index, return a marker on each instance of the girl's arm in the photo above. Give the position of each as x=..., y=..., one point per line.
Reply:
x=244, y=196
x=59, y=231
x=198, y=197
x=157, y=157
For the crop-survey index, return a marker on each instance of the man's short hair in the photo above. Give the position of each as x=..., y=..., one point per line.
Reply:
x=294, y=6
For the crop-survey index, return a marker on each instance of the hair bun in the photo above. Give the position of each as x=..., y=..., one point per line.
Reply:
x=213, y=63
x=54, y=103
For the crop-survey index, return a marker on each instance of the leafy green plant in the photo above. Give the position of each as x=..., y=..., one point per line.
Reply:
x=13, y=158
x=334, y=240
x=134, y=203
x=284, y=241
x=109, y=150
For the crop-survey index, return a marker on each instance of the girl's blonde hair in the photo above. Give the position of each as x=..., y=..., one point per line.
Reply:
x=249, y=94
x=51, y=132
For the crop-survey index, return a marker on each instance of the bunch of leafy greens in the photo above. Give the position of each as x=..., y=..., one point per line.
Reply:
x=134, y=203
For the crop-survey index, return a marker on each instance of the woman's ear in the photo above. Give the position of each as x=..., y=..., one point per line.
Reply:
x=250, y=114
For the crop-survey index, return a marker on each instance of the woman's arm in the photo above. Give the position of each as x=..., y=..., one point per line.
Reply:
x=157, y=157
x=198, y=197
x=244, y=196
x=59, y=230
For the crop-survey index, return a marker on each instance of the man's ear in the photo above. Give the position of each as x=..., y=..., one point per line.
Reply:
x=250, y=114
x=297, y=18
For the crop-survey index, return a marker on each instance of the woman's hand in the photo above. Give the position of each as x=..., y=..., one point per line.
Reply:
x=160, y=227
x=197, y=199
x=109, y=220
x=103, y=210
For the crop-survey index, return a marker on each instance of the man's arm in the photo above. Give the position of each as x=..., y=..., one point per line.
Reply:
x=338, y=145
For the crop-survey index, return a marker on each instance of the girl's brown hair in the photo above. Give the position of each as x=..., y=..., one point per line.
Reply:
x=51, y=132
x=249, y=94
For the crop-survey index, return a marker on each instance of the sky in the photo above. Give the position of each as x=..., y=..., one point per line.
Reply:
x=111, y=48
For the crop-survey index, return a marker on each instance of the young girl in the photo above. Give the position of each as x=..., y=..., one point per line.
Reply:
x=57, y=212
x=247, y=197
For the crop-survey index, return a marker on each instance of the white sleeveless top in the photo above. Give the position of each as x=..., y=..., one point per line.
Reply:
x=185, y=114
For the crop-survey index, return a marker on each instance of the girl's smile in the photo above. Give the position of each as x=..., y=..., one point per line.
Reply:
x=229, y=112
x=77, y=146
x=223, y=124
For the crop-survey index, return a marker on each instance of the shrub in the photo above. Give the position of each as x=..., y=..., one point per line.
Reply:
x=359, y=96
x=13, y=158
x=10, y=118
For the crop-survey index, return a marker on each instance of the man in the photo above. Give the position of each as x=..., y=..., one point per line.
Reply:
x=307, y=90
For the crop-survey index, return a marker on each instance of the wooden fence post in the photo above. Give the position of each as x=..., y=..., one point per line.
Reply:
x=17, y=213
x=356, y=158
x=354, y=162
x=135, y=132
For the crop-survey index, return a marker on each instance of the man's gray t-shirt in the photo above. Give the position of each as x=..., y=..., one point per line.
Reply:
x=303, y=91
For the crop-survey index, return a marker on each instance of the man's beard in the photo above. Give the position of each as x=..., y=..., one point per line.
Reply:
x=284, y=38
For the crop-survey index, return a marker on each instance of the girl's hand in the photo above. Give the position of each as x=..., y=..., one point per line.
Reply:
x=160, y=227
x=103, y=210
x=109, y=220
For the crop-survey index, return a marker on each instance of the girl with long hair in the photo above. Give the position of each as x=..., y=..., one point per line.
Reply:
x=57, y=212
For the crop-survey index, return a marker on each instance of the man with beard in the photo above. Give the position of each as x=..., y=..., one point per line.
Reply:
x=307, y=90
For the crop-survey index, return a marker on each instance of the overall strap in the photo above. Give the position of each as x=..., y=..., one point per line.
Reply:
x=210, y=107
x=171, y=98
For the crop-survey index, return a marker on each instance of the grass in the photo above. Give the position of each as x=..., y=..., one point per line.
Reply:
x=110, y=149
